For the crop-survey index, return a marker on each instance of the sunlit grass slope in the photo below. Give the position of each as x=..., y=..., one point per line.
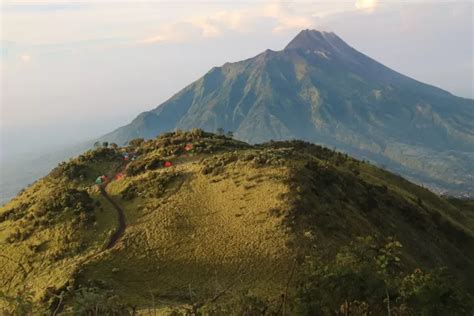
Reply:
x=225, y=218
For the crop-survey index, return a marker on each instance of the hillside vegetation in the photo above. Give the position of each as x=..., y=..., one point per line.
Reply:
x=218, y=226
x=322, y=90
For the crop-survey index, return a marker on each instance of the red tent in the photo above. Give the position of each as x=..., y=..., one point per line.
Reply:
x=167, y=164
x=119, y=176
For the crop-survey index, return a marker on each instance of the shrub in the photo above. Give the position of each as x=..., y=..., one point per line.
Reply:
x=20, y=304
x=95, y=301
x=136, y=142
x=367, y=277
x=154, y=185
x=435, y=293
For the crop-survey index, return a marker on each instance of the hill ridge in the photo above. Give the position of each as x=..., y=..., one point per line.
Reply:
x=334, y=96
x=205, y=209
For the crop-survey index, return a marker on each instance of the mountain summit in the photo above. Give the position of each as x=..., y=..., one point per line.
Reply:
x=312, y=39
x=322, y=90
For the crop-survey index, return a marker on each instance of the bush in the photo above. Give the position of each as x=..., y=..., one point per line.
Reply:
x=141, y=165
x=435, y=293
x=136, y=142
x=366, y=276
x=77, y=202
x=95, y=301
x=244, y=304
x=154, y=185
x=20, y=304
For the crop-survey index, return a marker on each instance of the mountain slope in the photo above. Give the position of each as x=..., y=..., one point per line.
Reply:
x=322, y=90
x=225, y=218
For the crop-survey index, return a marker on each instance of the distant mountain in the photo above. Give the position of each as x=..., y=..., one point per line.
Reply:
x=322, y=90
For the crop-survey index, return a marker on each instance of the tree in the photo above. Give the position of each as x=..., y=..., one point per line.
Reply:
x=96, y=144
x=389, y=266
x=196, y=132
x=220, y=131
x=435, y=293
x=230, y=134
x=105, y=144
x=368, y=278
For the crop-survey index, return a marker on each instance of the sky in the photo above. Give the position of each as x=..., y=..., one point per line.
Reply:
x=71, y=71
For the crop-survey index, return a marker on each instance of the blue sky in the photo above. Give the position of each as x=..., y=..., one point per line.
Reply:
x=76, y=70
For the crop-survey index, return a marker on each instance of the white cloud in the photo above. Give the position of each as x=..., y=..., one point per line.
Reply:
x=182, y=32
x=236, y=20
x=25, y=58
x=152, y=21
x=154, y=39
x=207, y=27
x=366, y=4
x=286, y=19
x=280, y=16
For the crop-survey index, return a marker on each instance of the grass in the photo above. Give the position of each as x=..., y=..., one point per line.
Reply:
x=226, y=218
x=204, y=234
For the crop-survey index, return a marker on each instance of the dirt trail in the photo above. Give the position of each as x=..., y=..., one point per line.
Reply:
x=121, y=217
x=113, y=239
x=121, y=214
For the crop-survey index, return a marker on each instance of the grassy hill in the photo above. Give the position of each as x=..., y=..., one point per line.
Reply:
x=227, y=227
x=322, y=90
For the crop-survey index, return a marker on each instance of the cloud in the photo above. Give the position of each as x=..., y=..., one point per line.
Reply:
x=366, y=4
x=236, y=20
x=154, y=39
x=195, y=27
x=183, y=31
x=281, y=17
x=207, y=27
x=154, y=21
x=25, y=58
x=286, y=19
x=170, y=33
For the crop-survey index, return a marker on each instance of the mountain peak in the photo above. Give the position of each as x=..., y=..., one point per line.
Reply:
x=313, y=39
x=322, y=90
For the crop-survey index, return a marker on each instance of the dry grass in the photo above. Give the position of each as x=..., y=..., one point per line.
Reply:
x=205, y=234
x=226, y=218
